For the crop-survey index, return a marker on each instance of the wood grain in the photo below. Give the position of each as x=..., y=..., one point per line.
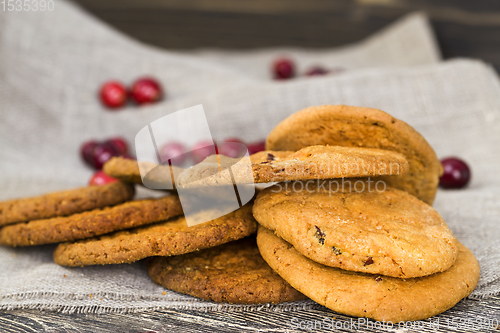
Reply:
x=464, y=28
x=210, y=321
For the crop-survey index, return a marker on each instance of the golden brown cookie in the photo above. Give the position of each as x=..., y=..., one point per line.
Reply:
x=233, y=273
x=127, y=170
x=64, y=203
x=372, y=296
x=341, y=125
x=169, y=238
x=315, y=162
x=92, y=223
x=358, y=225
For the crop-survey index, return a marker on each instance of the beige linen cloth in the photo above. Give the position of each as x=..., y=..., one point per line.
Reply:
x=52, y=63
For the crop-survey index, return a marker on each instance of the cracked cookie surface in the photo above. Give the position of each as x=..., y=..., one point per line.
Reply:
x=92, y=223
x=234, y=273
x=64, y=203
x=172, y=237
x=315, y=162
x=366, y=295
x=349, y=126
x=358, y=225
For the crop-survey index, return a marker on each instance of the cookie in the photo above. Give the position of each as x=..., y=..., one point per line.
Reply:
x=315, y=162
x=340, y=125
x=127, y=170
x=89, y=224
x=232, y=273
x=358, y=225
x=372, y=296
x=169, y=238
x=64, y=203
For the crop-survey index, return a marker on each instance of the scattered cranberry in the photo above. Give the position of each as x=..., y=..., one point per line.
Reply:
x=119, y=144
x=100, y=178
x=256, y=147
x=87, y=151
x=316, y=71
x=146, y=90
x=102, y=153
x=231, y=148
x=202, y=150
x=173, y=151
x=283, y=68
x=456, y=173
x=96, y=153
x=113, y=94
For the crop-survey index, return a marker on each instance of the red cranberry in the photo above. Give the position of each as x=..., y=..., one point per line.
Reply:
x=173, y=151
x=256, y=147
x=231, y=148
x=102, y=153
x=456, y=173
x=146, y=90
x=283, y=68
x=316, y=71
x=202, y=150
x=119, y=144
x=87, y=151
x=100, y=178
x=113, y=94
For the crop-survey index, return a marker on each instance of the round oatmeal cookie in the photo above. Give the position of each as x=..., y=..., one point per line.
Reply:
x=349, y=126
x=64, y=203
x=232, y=273
x=92, y=223
x=358, y=225
x=315, y=162
x=366, y=295
x=169, y=238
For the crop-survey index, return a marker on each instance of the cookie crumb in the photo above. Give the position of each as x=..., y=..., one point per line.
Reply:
x=164, y=293
x=368, y=261
x=90, y=295
x=64, y=275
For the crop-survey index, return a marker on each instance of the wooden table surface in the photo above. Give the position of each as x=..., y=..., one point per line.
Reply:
x=458, y=319
x=464, y=29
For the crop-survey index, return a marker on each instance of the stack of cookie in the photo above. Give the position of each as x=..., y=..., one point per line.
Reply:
x=367, y=247
x=348, y=223
x=100, y=225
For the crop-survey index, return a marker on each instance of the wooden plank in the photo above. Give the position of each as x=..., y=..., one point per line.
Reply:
x=210, y=321
x=464, y=28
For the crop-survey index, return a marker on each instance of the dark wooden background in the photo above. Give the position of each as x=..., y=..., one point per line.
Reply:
x=464, y=28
